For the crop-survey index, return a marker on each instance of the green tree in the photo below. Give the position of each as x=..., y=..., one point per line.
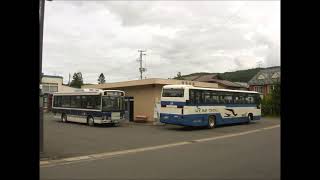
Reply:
x=77, y=81
x=271, y=102
x=179, y=76
x=101, y=79
x=275, y=99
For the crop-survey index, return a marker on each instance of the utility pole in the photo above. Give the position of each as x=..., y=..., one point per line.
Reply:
x=259, y=64
x=141, y=69
x=41, y=20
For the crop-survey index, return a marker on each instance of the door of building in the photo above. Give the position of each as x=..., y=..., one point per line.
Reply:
x=129, y=107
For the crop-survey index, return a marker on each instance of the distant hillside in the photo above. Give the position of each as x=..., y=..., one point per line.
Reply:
x=240, y=76
x=236, y=76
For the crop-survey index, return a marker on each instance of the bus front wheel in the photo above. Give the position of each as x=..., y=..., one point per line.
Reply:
x=211, y=122
x=90, y=121
x=64, y=118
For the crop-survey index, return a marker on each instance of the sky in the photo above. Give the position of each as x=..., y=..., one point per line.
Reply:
x=94, y=37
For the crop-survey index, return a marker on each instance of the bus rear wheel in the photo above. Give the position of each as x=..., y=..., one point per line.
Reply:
x=90, y=121
x=64, y=118
x=211, y=122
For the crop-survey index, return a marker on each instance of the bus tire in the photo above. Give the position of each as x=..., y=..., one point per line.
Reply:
x=64, y=118
x=250, y=118
x=211, y=122
x=90, y=121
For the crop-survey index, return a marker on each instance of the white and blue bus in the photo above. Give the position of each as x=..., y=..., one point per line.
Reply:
x=187, y=105
x=91, y=106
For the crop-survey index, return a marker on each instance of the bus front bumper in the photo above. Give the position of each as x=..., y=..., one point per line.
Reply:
x=108, y=121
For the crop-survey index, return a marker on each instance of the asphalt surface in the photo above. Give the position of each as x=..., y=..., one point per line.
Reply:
x=246, y=157
x=63, y=140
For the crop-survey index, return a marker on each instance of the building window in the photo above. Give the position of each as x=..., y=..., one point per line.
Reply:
x=261, y=77
x=50, y=87
x=275, y=75
x=258, y=89
x=53, y=88
x=45, y=88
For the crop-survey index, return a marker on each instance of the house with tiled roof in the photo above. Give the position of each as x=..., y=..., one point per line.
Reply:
x=265, y=80
x=223, y=84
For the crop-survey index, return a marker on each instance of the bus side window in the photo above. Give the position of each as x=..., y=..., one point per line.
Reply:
x=197, y=97
x=248, y=99
x=214, y=98
x=97, y=102
x=90, y=102
x=241, y=98
x=236, y=98
x=65, y=101
x=84, y=102
x=207, y=97
x=78, y=102
x=221, y=99
x=57, y=101
x=228, y=99
x=191, y=96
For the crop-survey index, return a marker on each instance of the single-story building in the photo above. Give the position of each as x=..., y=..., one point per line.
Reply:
x=146, y=94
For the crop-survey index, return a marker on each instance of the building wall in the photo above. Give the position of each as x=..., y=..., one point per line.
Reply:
x=144, y=100
x=64, y=88
x=52, y=80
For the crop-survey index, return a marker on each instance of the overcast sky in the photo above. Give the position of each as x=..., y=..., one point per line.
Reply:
x=96, y=37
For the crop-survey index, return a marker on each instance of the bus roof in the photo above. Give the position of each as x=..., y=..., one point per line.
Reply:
x=193, y=87
x=90, y=91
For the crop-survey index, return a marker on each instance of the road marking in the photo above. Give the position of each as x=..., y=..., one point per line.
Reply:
x=271, y=127
x=50, y=163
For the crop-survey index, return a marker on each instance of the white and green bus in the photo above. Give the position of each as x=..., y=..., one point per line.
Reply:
x=187, y=105
x=91, y=106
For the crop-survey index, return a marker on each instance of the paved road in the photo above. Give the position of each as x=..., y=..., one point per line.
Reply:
x=63, y=140
x=250, y=156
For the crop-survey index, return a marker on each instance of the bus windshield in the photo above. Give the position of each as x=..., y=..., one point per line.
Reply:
x=112, y=103
x=172, y=92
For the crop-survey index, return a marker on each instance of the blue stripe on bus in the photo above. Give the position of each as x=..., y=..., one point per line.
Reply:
x=173, y=103
x=84, y=112
x=200, y=119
